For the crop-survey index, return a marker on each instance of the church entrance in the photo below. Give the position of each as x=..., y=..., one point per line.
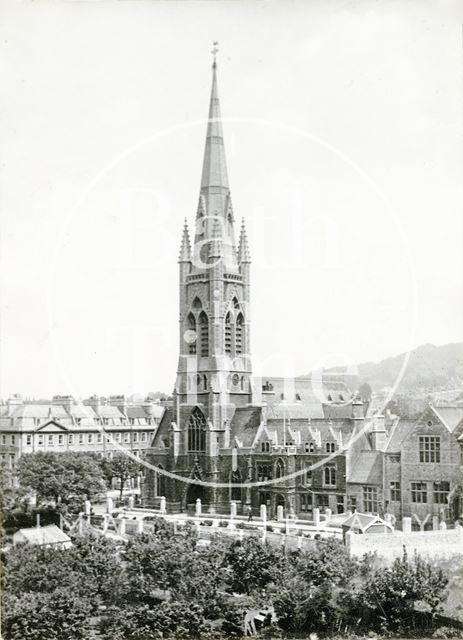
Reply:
x=195, y=491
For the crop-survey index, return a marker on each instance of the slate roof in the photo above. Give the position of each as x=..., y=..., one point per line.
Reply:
x=450, y=416
x=244, y=425
x=365, y=468
x=400, y=430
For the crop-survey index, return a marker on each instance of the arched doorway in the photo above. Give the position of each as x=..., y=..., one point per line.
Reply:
x=195, y=491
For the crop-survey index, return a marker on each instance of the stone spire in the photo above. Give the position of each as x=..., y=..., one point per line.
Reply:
x=215, y=199
x=243, y=247
x=185, y=247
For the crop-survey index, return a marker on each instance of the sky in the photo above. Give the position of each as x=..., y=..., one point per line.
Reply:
x=343, y=134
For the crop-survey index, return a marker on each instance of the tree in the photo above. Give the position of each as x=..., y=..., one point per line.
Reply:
x=59, y=615
x=390, y=595
x=251, y=564
x=58, y=476
x=122, y=467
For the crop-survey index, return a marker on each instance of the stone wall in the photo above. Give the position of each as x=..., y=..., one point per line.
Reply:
x=388, y=546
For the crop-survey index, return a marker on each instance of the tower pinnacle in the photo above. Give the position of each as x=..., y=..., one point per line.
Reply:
x=243, y=248
x=185, y=247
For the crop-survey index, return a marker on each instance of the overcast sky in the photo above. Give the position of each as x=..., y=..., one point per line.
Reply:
x=343, y=132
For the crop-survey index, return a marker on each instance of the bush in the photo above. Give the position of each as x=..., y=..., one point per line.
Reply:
x=206, y=523
x=240, y=525
x=269, y=527
x=223, y=523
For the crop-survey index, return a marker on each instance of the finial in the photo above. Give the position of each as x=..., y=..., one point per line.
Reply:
x=214, y=52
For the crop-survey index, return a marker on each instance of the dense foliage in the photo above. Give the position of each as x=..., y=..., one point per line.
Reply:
x=165, y=585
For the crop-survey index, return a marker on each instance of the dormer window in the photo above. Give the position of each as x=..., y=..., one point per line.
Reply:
x=265, y=447
x=330, y=447
x=309, y=447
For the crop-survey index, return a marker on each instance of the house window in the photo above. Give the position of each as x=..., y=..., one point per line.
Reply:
x=29, y=440
x=429, y=448
x=127, y=437
x=81, y=438
x=50, y=440
x=265, y=498
x=143, y=436
x=265, y=447
x=99, y=437
x=3, y=439
x=370, y=499
x=89, y=438
x=340, y=503
x=306, y=478
x=78, y=421
x=309, y=447
x=352, y=501
x=323, y=500
x=306, y=502
x=117, y=436
x=441, y=491
x=394, y=488
x=264, y=472
x=60, y=438
x=330, y=447
x=131, y=420
x=13, y=440
x=71, y=438
x=40, y=440
x=135, y=437
x=329, y=476
x=419, y=492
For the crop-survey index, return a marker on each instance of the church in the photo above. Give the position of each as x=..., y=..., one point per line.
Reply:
x=230, y=435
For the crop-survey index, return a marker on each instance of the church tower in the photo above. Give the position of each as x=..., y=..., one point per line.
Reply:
x=214, y=364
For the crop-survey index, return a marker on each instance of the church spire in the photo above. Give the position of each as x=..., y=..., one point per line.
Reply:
x=185, y=248
x=214, y=165
x=243, y=247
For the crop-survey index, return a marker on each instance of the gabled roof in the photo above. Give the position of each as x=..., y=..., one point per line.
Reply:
x=401, y=429
x=450, y=416
x=50, y=534
x=363, y=521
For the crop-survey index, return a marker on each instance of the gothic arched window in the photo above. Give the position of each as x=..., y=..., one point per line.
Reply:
x=239, y=334
x=160, y=483
x=228, y=334
x=280, y=468
x=197, y=431
x=236, y=304
x=191, y=327
x=235, y=485
x=330, y=476
x=197, y=303
x=204, y=333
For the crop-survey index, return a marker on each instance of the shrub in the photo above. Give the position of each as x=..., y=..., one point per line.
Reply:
x=269, y=527
x=240, y=525
x=223, y=523
x=206, y=523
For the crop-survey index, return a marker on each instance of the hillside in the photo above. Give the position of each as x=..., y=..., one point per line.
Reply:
x=430, y=368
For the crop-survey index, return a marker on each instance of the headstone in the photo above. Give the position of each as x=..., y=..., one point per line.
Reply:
x=131, y=502
x=406, y=525
x=122, y=526
x=88, y=508
x=198, y=507
x=280, y=513
x=140, y=526
x=109, y=504
x=162, y=505
x=263, y=513
x=316, y=517
x=328, y=513
x=232, y=509
x=435, y=523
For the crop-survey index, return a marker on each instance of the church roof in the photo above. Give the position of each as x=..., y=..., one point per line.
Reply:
x=244, y=425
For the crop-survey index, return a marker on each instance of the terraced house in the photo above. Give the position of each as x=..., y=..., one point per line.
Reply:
x=97, y=425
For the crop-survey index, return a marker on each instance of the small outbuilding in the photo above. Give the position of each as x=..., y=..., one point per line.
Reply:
x=48, y=536
x=366, y=523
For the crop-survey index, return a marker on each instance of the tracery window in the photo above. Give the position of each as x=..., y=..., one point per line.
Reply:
x=197, y=431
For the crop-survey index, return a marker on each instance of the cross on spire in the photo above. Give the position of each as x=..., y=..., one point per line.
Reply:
x=215, y=51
